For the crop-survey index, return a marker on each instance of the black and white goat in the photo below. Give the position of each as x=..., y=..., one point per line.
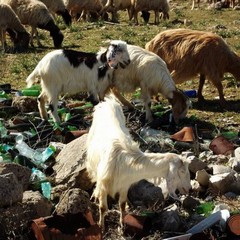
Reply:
x=115, y=162
x=69, y=71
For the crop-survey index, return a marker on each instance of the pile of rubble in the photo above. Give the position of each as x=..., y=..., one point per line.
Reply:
x=50, y=193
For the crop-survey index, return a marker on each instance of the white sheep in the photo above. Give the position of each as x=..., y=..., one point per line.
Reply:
x=9, y=22
x=82, y=6
x=114, y=6
x=58, y=7
x=114, y=161
x=156, y=5
x=69, y=71
x=149, y=72
x=188, y=53
x=37, y=15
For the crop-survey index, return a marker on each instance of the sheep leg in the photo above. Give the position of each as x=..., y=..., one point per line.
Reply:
x=41, y=106
x=135, y=14
x=121, y=98
x=3, y=40
x=218, y=84
x=156, y=21
x=32, y=35
x=200, y=88
x=147, y=103
x=193, y=4
x=37, y=37
x=129, y=14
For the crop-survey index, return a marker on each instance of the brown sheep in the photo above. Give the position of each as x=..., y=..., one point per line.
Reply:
x=188, y=53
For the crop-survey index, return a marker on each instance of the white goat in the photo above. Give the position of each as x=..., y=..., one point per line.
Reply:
x=68, y=71
x=149, y=72
x=10, y=22
x=114, y=161
x=156, y=5
x=37, y=15
x=58, y=7
x=188, y=53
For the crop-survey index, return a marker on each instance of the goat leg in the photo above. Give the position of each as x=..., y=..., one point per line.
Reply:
x=121, y=98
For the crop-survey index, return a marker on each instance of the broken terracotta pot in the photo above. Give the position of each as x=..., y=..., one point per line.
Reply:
x=220, y=145
x=233, y=224
x=66, y=227
x=186, y=134
x=137, y=226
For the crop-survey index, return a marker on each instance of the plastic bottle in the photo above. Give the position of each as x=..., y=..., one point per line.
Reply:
x=153, y=135
x=46, y=189
x=37, y=177
x=33, y=91
x=47, y=153
x=39, y=181
x=191, y=93
x=25, y=150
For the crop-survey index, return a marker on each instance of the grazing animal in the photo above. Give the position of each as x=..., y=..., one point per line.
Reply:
x=58, y=7
x=37, y=15
x=68, y=71
x=9, y=22
x=188, y=53
x=114, y=6
x=149, y=72
x=156, y=5
x=114, y=161
x=83, y=7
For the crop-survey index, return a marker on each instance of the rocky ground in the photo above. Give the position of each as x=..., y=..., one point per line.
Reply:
x=161, y=217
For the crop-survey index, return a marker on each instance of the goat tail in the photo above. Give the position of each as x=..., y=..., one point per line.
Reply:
x=32, y=78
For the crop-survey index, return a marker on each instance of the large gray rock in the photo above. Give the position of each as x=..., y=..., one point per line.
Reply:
x=70, y=165
x=11, y=191
x=196, y=164
x=202, y=177
x=73, y=201
x=39, y=205
x=222, y=182
x=25, y=103
x=22, y=173
x=146, y=194
x=170, y=220
x=16, y=218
